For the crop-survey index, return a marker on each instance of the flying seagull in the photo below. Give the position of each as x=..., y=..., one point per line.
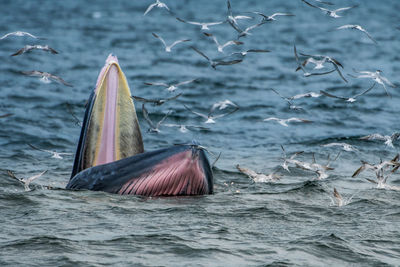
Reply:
x=46, y=77
x=209, y=117
x=375, y=76
x=347, y=99
x=204, y=25
x=389, y=139
x=29, y=48
x=319, y=61
x=219, y=46
x=300, y=66
x=55, y=154
x=171, y=87
x=169, y=47
x=154, y=128
x=25, y=181
x=331, y=13
x=284, y=122
x=156, y=102
x=231, y=19
x=214, y=62
x=288, y=100
x=19, y=33
x=345, y=146
x=356, y=27
x=158, y=4
x=272, y=17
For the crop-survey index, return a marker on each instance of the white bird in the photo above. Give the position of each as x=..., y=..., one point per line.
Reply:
x=389, y=139
x=158, y=4
x=156, y=102
x=356, y=27
x=55, y=154
x=219, y=46
x=347, y=99
x=284, y=122
x=375, y=76
x=215, y=62
x=45, y=77
x=319, y=61
x=272, y=17
x=29, y=48
x=25, y=181
x=154, y=128
x=209, y=117
x=204, y=25
x=378, y=167
x=223, y=105
x=172, y=86
x=19, y=33
x=185, y=128
x=244, y=53
x=338, y=200
x=259, y=177
x=300, y=66
x=345, y=146
x=331, y=13
x=381, y=181
x=169, y=47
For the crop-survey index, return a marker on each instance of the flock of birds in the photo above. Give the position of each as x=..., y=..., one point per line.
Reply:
x=224, y=108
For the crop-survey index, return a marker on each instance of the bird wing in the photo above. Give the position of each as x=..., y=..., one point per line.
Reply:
x=33, y=73
x=146, y=117
x=225, y=114
x=43, y=150
x=149, y=8
x=213, y=37
x=298, y=120
x=258, y=51
x=336, y=194
x=30, y=179
x=201, y=53
x=366, y=91
x=388, y=82
x=159, y=38
x=185, y=82
x=373, y=137
x=21, y=51
x=157, y=84
x=179, y=41
x=347, y=26
x=59, y=79
x=281, y=14
x=163, y=119
x=333, y=96
x=247, y=171
x=344, y=8
x=138, y=98
x=197, y=113
x=231, y=62
x=311, y=5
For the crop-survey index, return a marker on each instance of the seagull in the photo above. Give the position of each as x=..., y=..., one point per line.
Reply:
x=356, y=27
x=55, y=155
x=6, y=115
x=309, y=94
x=215, y=63
x=338, y=200
x=168, y=48
x=319, y=61
x=45, y=77
x=29, y=48
x=347, y=99
x=324, y=2
x=331, y=13
x=378, y=167
x=25, y=181
x=153, y=128
x=381, y=182
x=247, y=30
x=300, y=66
x=223, y=105
x=288, y=100
x=156, y=102
x=221, y=47
x=272, y=17
x=284, y=122
x=289, y=160
x=171, y=87
x=185, y=128
x=231, y=19
x=345, y=146
x=389, y=139
x=204, y=25
x=18, y=33
x=158, y=4
x=376, y=76
x=259, y=177
x=209, y=117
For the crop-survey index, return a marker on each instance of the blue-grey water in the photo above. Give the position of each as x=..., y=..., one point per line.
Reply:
x=290, y=222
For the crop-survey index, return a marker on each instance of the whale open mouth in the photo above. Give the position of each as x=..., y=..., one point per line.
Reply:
x=110, y=128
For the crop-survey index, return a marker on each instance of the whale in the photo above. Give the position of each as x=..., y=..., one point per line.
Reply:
x=110, y=155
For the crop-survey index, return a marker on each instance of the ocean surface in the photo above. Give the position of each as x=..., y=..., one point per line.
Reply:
x=291, y=222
